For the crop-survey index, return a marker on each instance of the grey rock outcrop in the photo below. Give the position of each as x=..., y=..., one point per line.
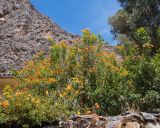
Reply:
x=23, y=33
x=130, y=120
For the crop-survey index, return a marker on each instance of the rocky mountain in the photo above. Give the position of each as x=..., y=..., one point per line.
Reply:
x=24, y=32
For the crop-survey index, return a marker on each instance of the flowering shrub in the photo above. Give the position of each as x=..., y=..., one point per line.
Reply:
x=83, y=72
x=76, y=78
x=81, y=78
x=24, y=108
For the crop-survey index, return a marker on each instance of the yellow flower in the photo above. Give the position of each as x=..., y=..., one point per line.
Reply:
x=78, y=113
x=61, y=95
x=124, y=73
x=120, y=47
x=69, y=87
x=29, y=95
x=52, y=80
x=35, y=101
x=5, y=104
x=77, y=92
x=86, y=31
x=103, y=60
x=63, y=44
x=88, y=112
x=76, y=80
x=46, y=92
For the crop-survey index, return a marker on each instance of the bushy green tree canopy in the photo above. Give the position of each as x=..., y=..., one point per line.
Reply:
x=135, y=15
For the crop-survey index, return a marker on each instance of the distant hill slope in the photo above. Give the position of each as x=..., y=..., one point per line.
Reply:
x=23, y=32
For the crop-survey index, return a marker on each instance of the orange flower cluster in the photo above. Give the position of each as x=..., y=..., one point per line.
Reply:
x=5, y=104
x=72, y=70
x=97, y=106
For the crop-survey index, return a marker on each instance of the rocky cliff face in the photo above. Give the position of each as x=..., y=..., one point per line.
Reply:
x=24, y=32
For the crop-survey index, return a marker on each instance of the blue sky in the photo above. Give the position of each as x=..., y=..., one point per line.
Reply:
x=75, y=15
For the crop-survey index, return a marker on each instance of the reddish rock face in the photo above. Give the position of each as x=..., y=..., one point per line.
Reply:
x=24, y=32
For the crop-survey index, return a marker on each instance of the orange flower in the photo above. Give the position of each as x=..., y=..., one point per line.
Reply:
x=5, y=104
x=92, y=69
x=97, y=105
x=69, y=87
x=18, y=93
x=63, y=94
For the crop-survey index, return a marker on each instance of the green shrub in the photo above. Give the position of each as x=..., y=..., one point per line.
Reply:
x=144, y=72
x=151, y=101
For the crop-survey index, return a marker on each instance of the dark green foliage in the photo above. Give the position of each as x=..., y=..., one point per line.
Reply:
x=151, y=101
x=137, y=28
x=137, y=14
x=144, y=78
x=144, y=72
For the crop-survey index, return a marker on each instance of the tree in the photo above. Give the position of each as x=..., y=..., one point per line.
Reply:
x=135, y=15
